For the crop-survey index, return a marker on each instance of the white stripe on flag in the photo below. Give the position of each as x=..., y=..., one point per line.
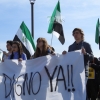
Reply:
x=56, y=34
x=58, y=17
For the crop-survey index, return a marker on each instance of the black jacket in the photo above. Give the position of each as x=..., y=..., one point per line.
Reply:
x=89, y=53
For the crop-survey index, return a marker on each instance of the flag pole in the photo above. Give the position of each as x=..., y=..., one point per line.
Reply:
x=32, y=17
x=51, y=39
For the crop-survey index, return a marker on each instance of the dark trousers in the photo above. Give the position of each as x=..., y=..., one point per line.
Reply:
x=92, y=89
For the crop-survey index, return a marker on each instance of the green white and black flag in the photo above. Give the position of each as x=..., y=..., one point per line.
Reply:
x=24, y=36
x=55, y=26
x=97, y=35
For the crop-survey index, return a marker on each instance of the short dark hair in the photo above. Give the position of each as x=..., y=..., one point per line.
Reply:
x=10, y=42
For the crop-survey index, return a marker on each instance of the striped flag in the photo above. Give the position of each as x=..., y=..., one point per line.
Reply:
x=55, y=25
x=24, y=36
x=97, y=35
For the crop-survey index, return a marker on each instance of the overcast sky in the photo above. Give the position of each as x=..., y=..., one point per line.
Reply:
x=75, y=13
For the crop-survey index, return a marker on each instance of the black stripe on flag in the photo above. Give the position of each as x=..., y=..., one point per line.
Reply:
x=57, y=27
x=24, y=48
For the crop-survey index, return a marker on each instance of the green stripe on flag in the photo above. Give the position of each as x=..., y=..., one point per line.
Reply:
x=52, y=19
x=27, y=33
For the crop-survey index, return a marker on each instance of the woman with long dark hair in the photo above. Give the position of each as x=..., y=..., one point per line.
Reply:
x=17, y=52
x=42, y=48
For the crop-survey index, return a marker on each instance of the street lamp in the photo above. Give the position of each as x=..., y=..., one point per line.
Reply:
x=32, y=16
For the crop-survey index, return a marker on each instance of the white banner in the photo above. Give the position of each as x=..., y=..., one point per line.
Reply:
x=58, y=77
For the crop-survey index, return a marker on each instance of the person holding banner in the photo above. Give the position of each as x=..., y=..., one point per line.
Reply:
x=93, y=84
x=81, y=44
x=85, y=48
x=42, y=48
x=17, y=52
x=9, y=48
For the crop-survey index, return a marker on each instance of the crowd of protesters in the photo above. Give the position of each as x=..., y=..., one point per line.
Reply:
x=15, y=51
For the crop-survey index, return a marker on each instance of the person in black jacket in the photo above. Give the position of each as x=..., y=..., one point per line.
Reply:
x=93, y=84
x=80, y=44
